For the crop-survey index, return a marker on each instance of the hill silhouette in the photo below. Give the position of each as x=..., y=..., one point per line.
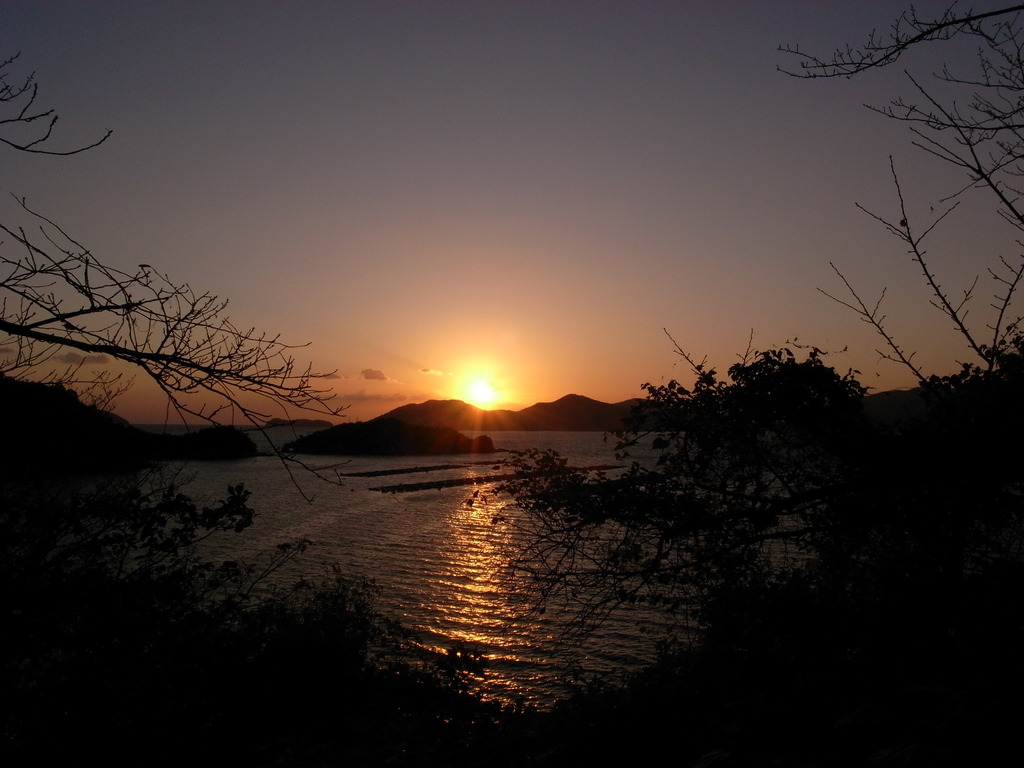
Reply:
x=389, y=437
x=48, y=430
x=572, y=413
x=895, y=405
x=576, y=413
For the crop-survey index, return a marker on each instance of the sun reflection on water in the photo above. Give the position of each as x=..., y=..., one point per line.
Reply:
x=441, y=564
x=470, y=601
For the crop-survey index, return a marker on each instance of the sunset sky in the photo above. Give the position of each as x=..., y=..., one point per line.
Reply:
x=504, y=200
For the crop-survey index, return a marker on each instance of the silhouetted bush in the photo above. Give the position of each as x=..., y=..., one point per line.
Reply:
x=853, y=586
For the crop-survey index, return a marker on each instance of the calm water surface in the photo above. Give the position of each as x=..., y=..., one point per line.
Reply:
x=436, y=554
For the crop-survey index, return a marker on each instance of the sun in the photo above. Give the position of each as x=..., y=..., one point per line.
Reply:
x=480, y=393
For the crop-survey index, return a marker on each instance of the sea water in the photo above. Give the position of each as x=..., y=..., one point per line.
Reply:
x=438, y=556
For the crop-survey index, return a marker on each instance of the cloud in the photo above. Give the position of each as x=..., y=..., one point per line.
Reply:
x=68, y=358
x=77, y=358
x=431, y=372
x=372, y=374
x=362, y=396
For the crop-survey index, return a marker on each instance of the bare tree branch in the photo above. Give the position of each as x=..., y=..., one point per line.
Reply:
x=872, y=315
x=905, y=33
x=18, y=111
x=974, y=122
x=55, y=294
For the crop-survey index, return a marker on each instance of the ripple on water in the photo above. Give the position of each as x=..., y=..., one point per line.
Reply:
x=440, y=561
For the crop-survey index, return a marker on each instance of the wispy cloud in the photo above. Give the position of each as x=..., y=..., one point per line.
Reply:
x=431, y=372
x=77, y=358
x=68, y=358
x=372, y=374
x=362, y=396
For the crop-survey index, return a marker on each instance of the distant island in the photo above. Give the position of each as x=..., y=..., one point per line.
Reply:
x=389, y=437
x=435, y=427
x=572, y=413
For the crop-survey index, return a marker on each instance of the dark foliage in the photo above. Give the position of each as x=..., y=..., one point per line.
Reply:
x=124, y=644
x=854, y=585
x=48, y=431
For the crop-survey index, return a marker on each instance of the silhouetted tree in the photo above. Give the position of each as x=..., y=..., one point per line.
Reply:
x=745, y=463
x=819, y=563
x=823, y=560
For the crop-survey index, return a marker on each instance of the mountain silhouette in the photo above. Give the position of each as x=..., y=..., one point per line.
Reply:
x=572, y=413
x=895, y=405
x=576, y=413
